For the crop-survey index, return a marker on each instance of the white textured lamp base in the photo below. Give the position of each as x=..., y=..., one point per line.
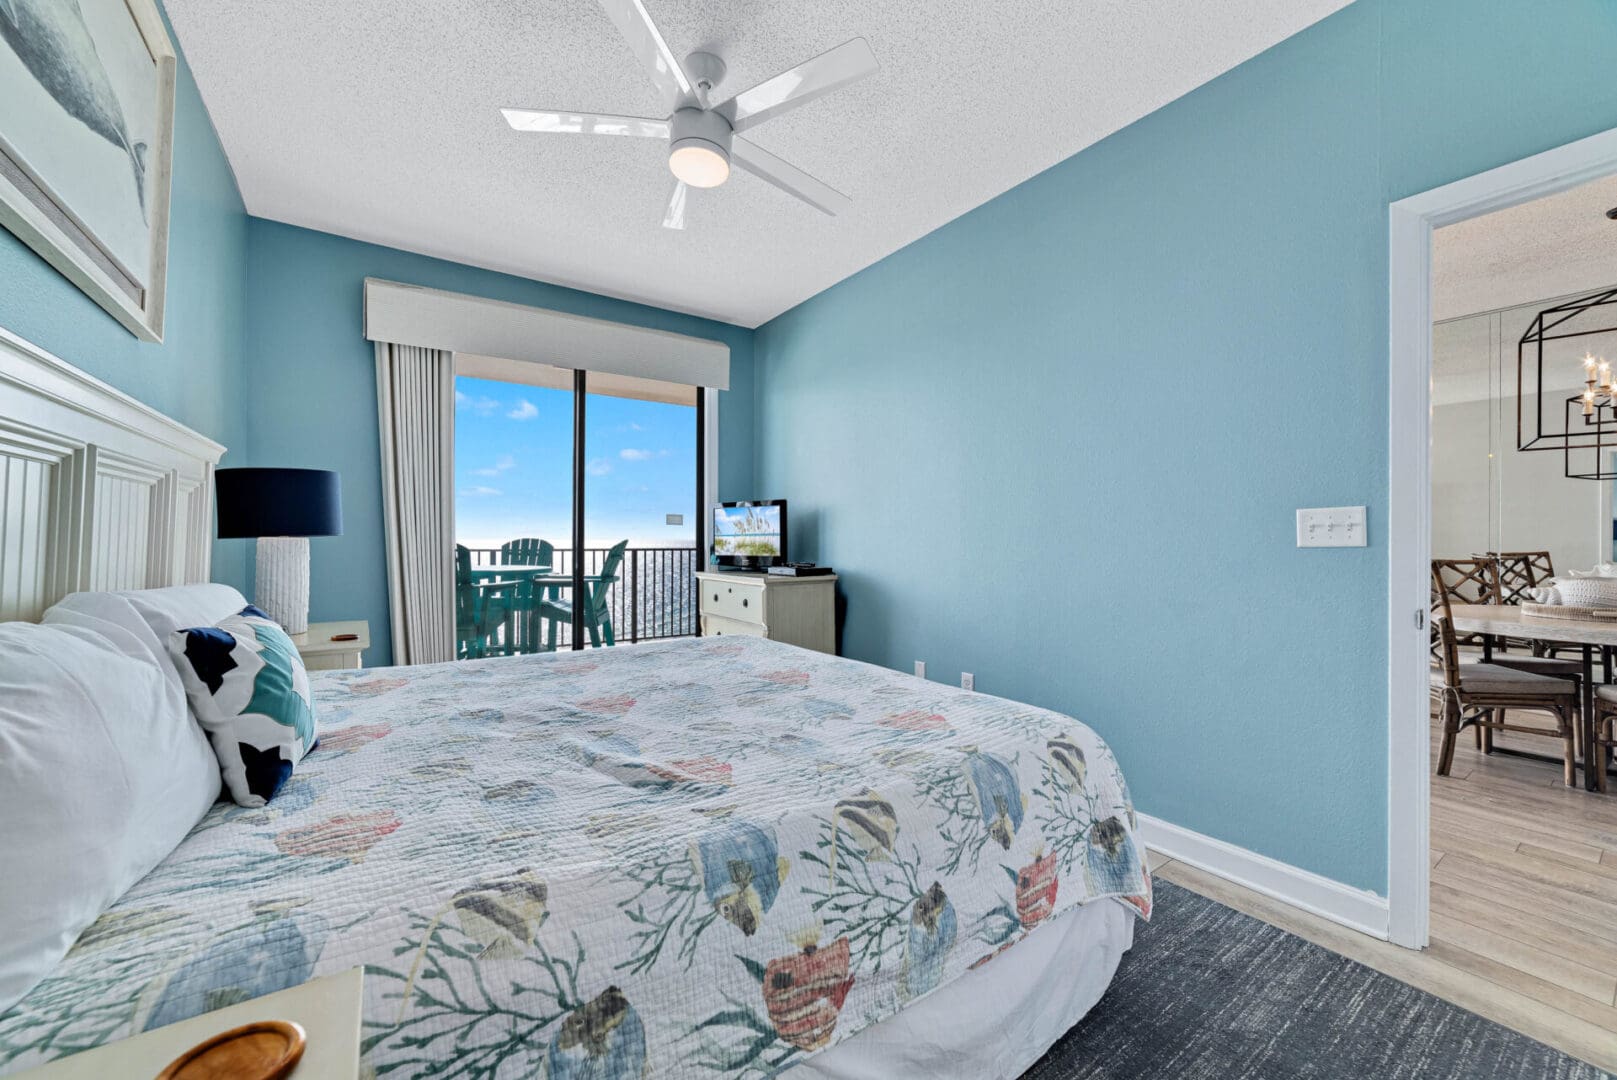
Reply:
x=283, y=581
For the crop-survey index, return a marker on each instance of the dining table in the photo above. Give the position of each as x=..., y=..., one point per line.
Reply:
x=1581, y=632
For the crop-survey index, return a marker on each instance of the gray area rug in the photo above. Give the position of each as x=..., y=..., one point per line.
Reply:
x=1208, y=992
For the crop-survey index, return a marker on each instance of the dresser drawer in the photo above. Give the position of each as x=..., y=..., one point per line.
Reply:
x=733, y=600
x=718, y=626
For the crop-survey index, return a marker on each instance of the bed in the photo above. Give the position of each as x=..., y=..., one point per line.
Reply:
x=695, y=858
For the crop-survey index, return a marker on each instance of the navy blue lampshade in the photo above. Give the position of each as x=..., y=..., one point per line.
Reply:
x=278, y=502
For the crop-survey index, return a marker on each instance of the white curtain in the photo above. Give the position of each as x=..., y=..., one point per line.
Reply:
x=415, y=395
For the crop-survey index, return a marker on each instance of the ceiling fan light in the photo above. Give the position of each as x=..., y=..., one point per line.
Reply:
x=699, y=163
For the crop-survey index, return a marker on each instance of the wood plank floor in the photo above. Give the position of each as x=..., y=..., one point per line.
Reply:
x=1524, y=902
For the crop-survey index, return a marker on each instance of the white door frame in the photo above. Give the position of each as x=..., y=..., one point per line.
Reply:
x=1409, y=535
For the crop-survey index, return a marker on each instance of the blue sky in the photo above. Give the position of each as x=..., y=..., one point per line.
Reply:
x=513, y=467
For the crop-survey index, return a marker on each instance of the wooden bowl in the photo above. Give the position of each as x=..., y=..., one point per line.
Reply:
x=263, y=1050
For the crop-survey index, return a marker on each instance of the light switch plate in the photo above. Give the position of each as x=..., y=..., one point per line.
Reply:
x=1331, y=526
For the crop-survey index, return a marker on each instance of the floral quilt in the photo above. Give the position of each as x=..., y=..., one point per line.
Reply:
x=707, y=857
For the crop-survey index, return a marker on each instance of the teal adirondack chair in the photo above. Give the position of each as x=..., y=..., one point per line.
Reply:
x=597, y=616
x=531, y=551
x=482, y=607
x=528, y=551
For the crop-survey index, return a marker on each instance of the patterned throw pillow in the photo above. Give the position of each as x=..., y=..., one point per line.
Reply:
x=248, y=688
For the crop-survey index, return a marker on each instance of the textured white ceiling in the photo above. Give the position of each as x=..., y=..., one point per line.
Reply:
x=1549, y=247
x=376, y=119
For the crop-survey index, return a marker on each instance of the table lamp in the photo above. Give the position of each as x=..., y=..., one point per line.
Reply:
x=281, y=509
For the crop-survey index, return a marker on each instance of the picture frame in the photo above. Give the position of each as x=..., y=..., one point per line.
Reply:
x=86, y=162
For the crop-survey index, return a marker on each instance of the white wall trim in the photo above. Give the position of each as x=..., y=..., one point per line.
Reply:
x=1356, y=909
x=434, y=319
x=1409, y=536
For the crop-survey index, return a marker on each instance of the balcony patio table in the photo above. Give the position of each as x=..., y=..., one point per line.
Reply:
x=542, y=578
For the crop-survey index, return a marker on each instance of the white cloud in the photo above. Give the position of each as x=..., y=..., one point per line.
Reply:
x=478, y=492
x=525, y=410
x=504, y=463
x=631, y=454
x=598, y=467
x=482, y=406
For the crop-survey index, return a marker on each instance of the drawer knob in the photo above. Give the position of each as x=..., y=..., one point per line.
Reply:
x=715, y=598
x=743, y=601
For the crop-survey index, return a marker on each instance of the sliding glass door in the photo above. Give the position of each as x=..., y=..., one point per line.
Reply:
x=576, y=508
x=514, y=507
x=640, y=520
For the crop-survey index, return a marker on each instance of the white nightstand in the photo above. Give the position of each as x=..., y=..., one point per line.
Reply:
x=320, y=653
x=328, y=1009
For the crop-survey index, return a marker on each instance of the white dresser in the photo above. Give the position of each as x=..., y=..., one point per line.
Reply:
x=797, y=610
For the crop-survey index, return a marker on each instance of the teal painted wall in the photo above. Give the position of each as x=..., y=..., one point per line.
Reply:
x=1059, y=442
x=312, y=387
x=196, y=374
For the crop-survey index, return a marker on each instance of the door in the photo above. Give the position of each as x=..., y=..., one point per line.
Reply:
x=577, y=506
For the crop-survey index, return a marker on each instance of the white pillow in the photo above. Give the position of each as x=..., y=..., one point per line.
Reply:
x=96, y=609
x=114, y=617
x=99, y=781
x=180, y=606
x=153, y=614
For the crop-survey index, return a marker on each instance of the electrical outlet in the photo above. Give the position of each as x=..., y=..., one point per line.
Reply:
x=1331, y=526
x=968, y=681
x=920, y=669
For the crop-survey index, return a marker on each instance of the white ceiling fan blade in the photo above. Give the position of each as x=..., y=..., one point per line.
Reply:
x=789, y=178
x=570, y=123
x=675, y=217
x=848, y=62
x=634, y=23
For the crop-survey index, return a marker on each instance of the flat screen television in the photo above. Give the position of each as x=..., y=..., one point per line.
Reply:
x=749, y=535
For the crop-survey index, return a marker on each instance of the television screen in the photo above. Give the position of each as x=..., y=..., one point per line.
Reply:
x=749, y=533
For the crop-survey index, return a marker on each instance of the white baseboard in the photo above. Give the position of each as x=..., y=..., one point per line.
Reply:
x=1357, y=909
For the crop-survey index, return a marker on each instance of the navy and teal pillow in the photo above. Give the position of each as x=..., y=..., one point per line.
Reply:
x=248, y=688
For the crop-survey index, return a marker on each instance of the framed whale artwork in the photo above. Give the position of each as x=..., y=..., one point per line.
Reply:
x=86, y=143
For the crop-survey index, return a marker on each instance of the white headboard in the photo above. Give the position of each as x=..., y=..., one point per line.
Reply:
x=97, y=491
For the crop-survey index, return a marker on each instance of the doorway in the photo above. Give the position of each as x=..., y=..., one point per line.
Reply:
x=578, y=507
x=1411, y=224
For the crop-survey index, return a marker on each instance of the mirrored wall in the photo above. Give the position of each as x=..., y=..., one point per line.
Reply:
x=1486, y=494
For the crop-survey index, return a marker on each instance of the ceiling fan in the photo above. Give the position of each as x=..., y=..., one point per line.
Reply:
x=705, y=139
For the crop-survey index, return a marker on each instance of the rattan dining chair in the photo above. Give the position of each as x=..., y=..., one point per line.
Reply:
x=1478, y=580
x=1519, y=573
x=1599, y=756
x=1480, y=696
x=1463, y=581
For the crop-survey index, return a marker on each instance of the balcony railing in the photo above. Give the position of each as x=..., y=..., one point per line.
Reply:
x=653, y=597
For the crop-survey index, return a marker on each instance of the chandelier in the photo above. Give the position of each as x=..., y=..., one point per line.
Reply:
x=1583, y=426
